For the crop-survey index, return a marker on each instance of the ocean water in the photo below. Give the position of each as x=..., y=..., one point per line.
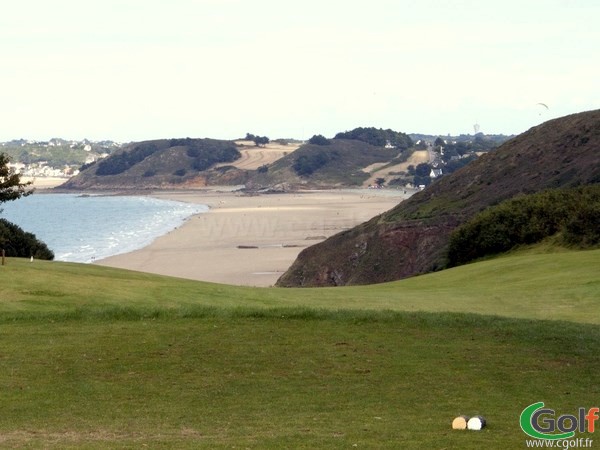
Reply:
x=87, y=228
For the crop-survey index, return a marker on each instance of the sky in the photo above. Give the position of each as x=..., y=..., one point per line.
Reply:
x=131, y=70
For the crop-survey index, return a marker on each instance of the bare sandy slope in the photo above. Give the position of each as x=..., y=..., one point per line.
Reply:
x=253, y=157
x=251, y=240
x=377, y=171
x=44, y=182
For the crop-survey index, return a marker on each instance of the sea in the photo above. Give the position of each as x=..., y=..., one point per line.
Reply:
x=87, y=228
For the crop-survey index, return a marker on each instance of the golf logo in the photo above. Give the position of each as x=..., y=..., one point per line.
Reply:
x=541, y=423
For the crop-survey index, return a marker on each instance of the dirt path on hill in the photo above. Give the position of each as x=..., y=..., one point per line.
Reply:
x=378, y=170
x=253, y=157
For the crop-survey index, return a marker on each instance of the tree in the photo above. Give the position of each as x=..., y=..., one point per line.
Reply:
x=378, y=137
x=311, y=162
x=319, y=139
x=18, y=243
x=11, y=187
x=423, y=170
x=260, y=140
x=13, y=239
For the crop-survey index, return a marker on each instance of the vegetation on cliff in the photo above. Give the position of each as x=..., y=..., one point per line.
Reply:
x=573, y=214
x=413, y=237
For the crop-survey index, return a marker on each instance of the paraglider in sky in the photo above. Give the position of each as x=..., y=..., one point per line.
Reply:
x=542, y=105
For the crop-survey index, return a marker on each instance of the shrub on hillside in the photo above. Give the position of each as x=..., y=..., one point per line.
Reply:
x=18, y=243
x=204, y=154
x=86, y=166
x=309, y=163
x=319, y=139
x=454, y=165
x=121, y=162
x=582, y=229
x=207, y=152
x=527, y=219
x=193, y=152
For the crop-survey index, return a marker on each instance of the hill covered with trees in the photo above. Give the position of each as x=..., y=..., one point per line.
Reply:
x=378, y=137
x=413, y=237
x=158, y=163
x=340, y=161
x=349, y=159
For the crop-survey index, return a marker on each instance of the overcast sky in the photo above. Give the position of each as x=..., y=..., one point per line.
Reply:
x=130, y=70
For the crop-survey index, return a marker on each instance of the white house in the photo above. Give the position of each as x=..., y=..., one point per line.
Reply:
x=435, y=173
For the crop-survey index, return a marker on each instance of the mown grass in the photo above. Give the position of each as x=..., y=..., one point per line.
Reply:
x=100, y=358
x=532, y=285
x=275, y=382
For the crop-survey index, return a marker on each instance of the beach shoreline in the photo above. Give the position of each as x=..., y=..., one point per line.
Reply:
x=251, y=239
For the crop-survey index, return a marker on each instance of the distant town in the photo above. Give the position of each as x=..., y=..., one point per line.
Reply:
x=57, y=158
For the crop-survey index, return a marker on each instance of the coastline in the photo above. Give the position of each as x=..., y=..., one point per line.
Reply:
x=251, y=239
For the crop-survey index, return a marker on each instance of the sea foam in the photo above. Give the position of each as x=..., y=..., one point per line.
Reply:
x=87, y=228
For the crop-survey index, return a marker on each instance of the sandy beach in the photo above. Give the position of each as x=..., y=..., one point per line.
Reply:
x=251, y=239
x=43, y=183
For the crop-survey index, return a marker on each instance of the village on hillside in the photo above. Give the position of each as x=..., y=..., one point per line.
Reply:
x=56, y=158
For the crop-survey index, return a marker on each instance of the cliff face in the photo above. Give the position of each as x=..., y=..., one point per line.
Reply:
x=412, y=238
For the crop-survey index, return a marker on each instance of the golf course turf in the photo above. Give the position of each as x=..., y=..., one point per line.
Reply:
x=93, y=357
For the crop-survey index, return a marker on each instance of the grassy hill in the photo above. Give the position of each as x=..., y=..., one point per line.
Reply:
x=199, y=162
x=94, y=357
x=340, y=163
x=162, y=163
x=412, y=238
x=353, y=158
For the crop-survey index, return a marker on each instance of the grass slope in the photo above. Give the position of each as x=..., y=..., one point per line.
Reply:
x=412, y=238
x=554, y=286
x=100, y=358
x=341, y=164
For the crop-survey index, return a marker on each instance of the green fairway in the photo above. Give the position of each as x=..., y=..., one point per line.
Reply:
x=553, y=286
x=101, y=358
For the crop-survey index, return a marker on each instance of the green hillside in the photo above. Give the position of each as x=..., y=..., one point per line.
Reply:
x=567, y=216
x=157, y=164
x=189, y=163
x=515, y=286
x=413, y=237
x=94, y=357
x=340, y=163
